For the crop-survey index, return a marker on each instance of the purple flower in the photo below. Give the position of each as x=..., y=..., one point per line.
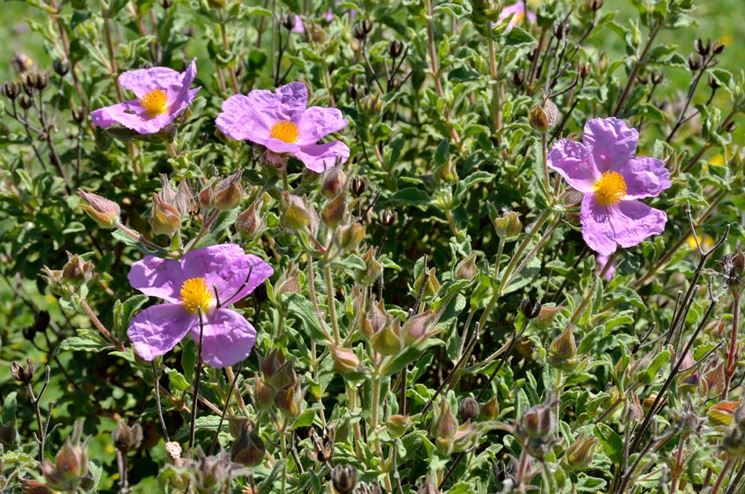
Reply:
x=281, y=122
x=162, y=95
x=205, y=280
x=604, y=169
x=516, y=13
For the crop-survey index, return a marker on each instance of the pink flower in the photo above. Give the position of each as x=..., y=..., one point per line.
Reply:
x=516, y=13
x=604, y=169
x=204, y=281
x=281, y=122
x=162, y=95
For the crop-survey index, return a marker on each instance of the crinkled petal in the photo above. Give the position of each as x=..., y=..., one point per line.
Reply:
x=645, y=177
x=132, y=116
x=298, y=27
x=157, y=329
x=227, y=338
x=227, y=269
x=157, y=277
x=573, y=161
x=317, y=122
x=242, y=119
x=320, y=157
x=142, y=81
x=280, y=147
x=613, y=143
x=627, y=224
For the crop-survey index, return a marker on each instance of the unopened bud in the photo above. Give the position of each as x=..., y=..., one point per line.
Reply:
x=695, y=62
x=248, y=448
x=77, y=269
x=127, y=438
x=249, y=223
x=562, y=352
x=263, y=394
x=295, y=214
x=579, y=454
x=517, y=78
x=508, y=225
x=418, y=328
x=387, y=218
x=42, y=79
x=348, y=237
x=10, y=90
x=362, y=29
x=344, y=479
x=345, y=360
x=229, y=192
x=206, y=198
x=22, y=372
x=101, y=210
x=447, y=172
x=288, y=22
x=530, y=308
x=427, y=281
x=165, y=219
x=334, y=181
x=25, y=102
x=61, y=67
x=359, y=185
x=395, y=48
x=446, y=425
x=538, y=422
x=333, y=212
x=490, y=409
x=543, y=117
x=468, y=409
x=387, y=341
x=466, y=268
x=373, y=269
x=657, y=78
x=29, y=486
x=398, y=424
x=287, y=401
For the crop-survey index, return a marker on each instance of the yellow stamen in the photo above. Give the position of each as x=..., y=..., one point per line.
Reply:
x=285, y=131
x=155, y=102
x=610, y=188
x=195, y=295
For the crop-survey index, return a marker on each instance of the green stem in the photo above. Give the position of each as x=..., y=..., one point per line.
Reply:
x=331, y=302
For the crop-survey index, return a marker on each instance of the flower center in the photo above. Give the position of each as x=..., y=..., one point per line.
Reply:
x=610, y=189
x=155, y=102
x=285, y=131
x=195, y=295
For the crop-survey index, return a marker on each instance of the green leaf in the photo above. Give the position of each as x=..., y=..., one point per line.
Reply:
x=303, y=310
x=611, y=442
x=518, y=37
x=177, y=380
x=409, y=196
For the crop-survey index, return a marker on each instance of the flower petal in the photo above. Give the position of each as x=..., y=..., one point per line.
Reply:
x=242, y=119
x=132, y=116
x=226, y=267
x=613, y=142
x=142, y=81
x=227, y=338
x=320, y=157
x=157, y=329
x=157, y=277
x=627, y=224
x=573, y=161
x=317, y=122
x=645, y=177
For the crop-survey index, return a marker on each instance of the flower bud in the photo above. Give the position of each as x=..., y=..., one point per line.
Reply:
x=10, y=90
x=508, y=225
x=76, y=269
x=71, y=463
x=334, y=181
x=345, y=360
x=543, y=117
x=295, y=214
x=362, y=29
x=466, y=268
x=22, y=372
x=395, y=48
x=387, y=341
x=490, y=409
x=398, y=424
x=61, y=67
x=206, y=198
x=127, y=438
x=165, y=219
x=468, y=409
x=373, y=269
x=387, y=218
x=579, y=454
x=418, y=328
x=248, y=449
x=29, y=486
x=546, y=316
x=427, y=278
x=359, y=185
x=25, y=101
x=517, y=78
x=249, y=223
x=538, y=422
x=101, y=210
x=562, y=352
x=348, y=237
x=272, y=363
x=333, y=212
x=288, y=281
x=695, y=62
x=42, y=79
x=229, y=192
x=530, y=308
x=288, y=401
x=263, y=394
x=288, y=22
x=344, y=479
x=447, y=172
x=446, y=424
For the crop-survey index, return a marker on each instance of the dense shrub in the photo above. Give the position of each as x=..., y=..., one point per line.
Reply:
x=437, y=246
